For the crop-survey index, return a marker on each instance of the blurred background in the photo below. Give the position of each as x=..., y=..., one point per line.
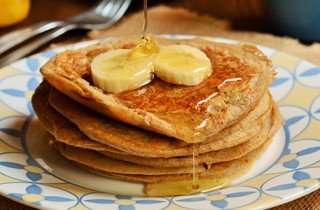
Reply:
x=295, y=18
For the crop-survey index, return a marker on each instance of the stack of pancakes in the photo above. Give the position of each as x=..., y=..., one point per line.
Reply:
x=150, y=134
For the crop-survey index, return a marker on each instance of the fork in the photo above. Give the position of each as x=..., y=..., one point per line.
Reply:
x=103, y=15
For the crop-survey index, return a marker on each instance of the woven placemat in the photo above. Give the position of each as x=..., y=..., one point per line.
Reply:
x=166, y=20
x=7, y=204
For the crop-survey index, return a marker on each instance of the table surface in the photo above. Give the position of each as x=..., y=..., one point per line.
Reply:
x=47, y=10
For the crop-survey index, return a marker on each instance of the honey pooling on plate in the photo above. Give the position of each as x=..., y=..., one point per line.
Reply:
x=184, y=187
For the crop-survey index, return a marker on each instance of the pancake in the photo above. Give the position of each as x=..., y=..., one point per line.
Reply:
x=272, y=124
x=66, y=132
x=99, y=161
x=241, y=75
x=78, y=139
x=90, y=161
x=57, y=125
x=140, y=142
x=161, y=132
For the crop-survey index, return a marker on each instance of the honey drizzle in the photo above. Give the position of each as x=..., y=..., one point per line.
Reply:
x=145, y=43
x=148, y=46
x=145, y=14
x=195, y=164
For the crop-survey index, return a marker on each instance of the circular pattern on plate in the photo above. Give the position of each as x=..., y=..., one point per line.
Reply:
x=315, y=108
x=299, y=154
x=108, y=201
x=41, y=195
x=297, y=119
x=10, y=130
x=229, y=198
x=292, y=182
x=308, y=74
x=296, y=173
x=21, y=167
x=16, y=91
x=283, y=84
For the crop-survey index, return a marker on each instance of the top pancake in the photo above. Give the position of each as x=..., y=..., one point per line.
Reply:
x=241, y=75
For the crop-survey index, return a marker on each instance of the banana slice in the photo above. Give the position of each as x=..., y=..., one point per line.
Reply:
x=120, y=70
x=181, y=64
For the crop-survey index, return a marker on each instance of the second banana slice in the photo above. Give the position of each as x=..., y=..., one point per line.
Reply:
x=181, y=65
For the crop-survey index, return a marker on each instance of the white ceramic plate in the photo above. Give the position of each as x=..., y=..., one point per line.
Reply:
x=34, y=174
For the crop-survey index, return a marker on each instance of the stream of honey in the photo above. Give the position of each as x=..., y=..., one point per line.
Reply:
x=195, y=166
x=145, y=14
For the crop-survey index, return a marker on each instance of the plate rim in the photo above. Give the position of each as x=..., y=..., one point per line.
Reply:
x=85, y=43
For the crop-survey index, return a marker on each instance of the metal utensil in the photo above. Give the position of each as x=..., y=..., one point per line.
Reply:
x=103, y=15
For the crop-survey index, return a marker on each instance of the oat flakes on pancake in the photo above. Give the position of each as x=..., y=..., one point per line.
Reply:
x=241, y=75
x=228, y=170
x=142, y=143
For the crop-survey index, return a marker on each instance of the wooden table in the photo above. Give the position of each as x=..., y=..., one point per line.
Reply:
x=60, y=10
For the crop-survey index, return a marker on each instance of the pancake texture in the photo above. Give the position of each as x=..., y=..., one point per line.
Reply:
x=161, y=132
x=55, y=124
x=74, y=137
x=241, y=74
x=226, y=170
x=140, y=142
